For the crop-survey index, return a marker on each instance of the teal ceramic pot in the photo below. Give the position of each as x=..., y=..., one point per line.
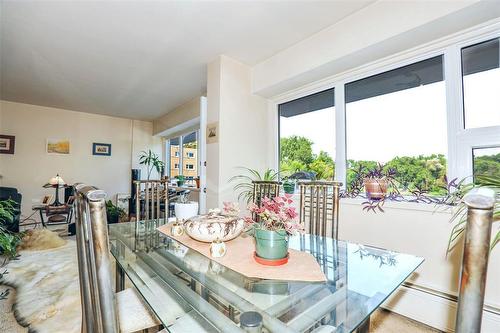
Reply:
x=289, y=187
x=271, y=244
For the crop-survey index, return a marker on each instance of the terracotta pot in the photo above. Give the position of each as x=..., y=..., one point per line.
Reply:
x=375, y=188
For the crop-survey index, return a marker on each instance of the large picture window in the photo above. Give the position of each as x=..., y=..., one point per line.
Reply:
x=398, y=119
x=307, y=136
x=426, y=130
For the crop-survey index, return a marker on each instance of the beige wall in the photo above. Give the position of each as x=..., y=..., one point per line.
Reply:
x=177, y=117
x=243, y=128
x=31, y=167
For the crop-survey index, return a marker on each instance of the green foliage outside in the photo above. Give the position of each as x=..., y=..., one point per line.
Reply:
x=488, y=166
x=296, y=155
x=423, y=173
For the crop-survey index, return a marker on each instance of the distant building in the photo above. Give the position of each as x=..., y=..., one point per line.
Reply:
x=190, y=161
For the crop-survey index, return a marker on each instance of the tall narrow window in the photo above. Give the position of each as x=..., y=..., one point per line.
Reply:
x=481, y=84
x=307, y=136
x=174, y=157
x=398, y=118
x=190, y=153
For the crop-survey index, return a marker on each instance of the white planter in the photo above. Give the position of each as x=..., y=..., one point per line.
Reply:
x=186, y=210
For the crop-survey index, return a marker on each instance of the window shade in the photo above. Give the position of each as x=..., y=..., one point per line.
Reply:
x=407, y=77
x=318, y=101
x=481, y=57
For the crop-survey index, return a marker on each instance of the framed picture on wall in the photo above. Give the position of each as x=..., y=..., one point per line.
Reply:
x=58, y=146
x=103, y=149
x=7, y=143
x=212, y=133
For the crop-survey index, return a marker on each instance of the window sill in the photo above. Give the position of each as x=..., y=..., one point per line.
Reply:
x=417, y=206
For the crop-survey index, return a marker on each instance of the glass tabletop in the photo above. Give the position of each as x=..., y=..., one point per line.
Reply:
x=192, y=293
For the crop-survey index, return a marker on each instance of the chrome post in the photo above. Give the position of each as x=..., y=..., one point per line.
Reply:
x=480, y=204
x=137, y=200
x=336, y=209
x=146, y=199
x=98, y=303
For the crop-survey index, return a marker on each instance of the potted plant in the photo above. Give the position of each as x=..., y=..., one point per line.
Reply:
x=244, y=181
x=151, y=161
x=184, y=208
x=288, y=185
x=275, y=221
x=377, y=180
x=180, y=180
x=113, y=212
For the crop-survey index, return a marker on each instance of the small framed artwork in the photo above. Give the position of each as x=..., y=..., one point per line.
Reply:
x=58, y=146
x=7, y=143
x=46, y=199
x=103, y=149
x=212, y=135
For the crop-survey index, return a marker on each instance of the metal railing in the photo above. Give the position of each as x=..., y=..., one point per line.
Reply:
x=480, y=205
x=94, y=266
x=155, y=192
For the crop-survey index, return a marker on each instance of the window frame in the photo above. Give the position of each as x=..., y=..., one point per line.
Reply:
x=180, y=152
x=460, y=141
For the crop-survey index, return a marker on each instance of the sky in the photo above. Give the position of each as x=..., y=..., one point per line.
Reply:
x=405, y=123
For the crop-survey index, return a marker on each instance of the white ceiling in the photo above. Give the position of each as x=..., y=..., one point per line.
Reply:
x=141, y=59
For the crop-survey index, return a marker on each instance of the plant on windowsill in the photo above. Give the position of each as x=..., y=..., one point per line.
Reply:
x=180, y=180
x=288, y=185
x=244, y=181
x=377, y=181
x=152, y=161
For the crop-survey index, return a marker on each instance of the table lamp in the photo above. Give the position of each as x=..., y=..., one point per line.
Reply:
x=57, y=182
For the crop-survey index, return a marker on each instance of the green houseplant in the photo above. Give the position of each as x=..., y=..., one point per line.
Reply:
x=272, y=223
x=244, y=181
x=459, y=218
x=8, y=240
x=113, y=212
x=180, y=180
x=288, y=185
x=152, y=161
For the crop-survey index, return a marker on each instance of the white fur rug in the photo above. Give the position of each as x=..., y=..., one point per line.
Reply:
x=47, y=289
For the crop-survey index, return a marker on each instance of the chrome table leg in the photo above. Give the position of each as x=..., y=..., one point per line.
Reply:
x=364, y=327
x=120, y=278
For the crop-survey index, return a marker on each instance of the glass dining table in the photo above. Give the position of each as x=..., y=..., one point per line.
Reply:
x=190, y=292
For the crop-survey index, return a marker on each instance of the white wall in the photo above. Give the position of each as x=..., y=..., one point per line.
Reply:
x=243, y=128
x=31, y=167
x=376, y=31
x=181, y=117
x=421, y=230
